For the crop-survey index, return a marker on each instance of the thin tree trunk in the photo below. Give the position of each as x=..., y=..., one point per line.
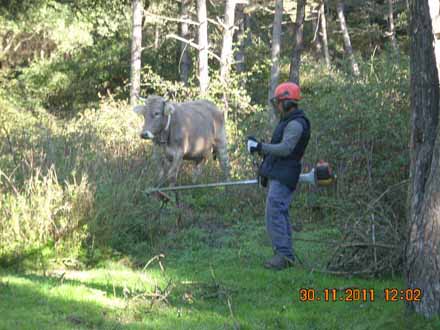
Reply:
x=136, y=51
x=156, y=36
x=241, y=36
x=347, y=42
x=203, y=46
x=226, y=53
x=392, y=32
x=276, y=48
x=295, y=62
x=316, y=24
x=185, y=60
x=422, y=251
x=324, y=34
x=228, y=34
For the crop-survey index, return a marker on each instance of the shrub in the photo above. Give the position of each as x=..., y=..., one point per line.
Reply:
x=43, y=212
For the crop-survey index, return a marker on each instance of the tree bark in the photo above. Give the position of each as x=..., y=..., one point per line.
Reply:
x=203, y=46
x=136, y=51
x=392, y=32
x=434, y=10
x=242, y=35
x=422, y=250
x=316, y=26
x=156, y=36
x=185, y=60
x=324, y=34
x=228, y=34
x=295, y=62
x=346, y=36
x=275, y=57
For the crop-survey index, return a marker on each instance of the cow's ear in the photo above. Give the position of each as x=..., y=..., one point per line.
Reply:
x=138, y=109
x=168, y=109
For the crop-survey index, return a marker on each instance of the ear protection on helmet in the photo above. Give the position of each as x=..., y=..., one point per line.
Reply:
x=287, y=104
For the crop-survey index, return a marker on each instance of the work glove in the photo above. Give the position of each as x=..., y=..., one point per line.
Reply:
x=262, y=181
x=253, y=145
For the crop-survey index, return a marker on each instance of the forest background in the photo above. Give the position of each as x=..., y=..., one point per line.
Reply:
x=77, y=232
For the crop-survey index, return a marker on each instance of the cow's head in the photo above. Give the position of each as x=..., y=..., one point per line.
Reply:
x=157, y=114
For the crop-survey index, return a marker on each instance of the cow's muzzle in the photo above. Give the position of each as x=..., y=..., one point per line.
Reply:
x=147, y=135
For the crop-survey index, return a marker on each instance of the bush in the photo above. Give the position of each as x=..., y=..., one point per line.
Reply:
x=76, y=182
x=44, y=212
x=362, y=128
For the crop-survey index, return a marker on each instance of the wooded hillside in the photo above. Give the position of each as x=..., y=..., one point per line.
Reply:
x=73, y=170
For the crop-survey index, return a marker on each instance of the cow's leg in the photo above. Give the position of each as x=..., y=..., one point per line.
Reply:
x=197, y=171
x=173, y=170
x=160, y=161
x=164, y=176
x=221, y=150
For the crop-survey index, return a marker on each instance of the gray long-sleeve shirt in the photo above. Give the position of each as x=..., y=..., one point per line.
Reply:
x=291, y=135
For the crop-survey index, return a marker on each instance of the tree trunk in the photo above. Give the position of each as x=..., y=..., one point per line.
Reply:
x=297, y=48
x=136, y=51
x=276, y=47
x=392, y=32
x=228, y=34
x=241, y=36
x=203, y=46
x=324, y=34
x=434, y=10
x=422, y=251
x=156, y=36
x=184, y=60
x=316, y=41
x=347, y=42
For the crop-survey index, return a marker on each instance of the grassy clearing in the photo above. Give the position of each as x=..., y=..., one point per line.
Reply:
x=212, y=280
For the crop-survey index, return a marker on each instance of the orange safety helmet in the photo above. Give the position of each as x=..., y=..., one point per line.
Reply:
x=287, y=93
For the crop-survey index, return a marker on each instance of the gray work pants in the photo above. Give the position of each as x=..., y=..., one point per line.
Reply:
x=278, y=224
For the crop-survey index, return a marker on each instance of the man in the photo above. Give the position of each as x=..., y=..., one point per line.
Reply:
x=281, y=167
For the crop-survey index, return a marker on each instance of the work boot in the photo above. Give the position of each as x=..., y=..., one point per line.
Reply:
x=278, y=262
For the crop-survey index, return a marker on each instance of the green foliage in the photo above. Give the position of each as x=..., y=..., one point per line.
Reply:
x=64, y=85
x=44, y=212
x=362, y=128
x=58, y=177
x=37, y=208
x=72, y=59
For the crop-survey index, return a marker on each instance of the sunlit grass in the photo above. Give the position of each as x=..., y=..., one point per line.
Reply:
x=219, y=284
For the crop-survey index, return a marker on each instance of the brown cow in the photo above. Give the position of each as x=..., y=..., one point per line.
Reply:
x=184, y=131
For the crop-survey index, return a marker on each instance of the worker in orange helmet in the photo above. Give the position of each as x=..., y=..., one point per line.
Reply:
x=281, y=168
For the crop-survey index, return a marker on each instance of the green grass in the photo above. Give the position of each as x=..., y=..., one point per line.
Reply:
x=218, y=283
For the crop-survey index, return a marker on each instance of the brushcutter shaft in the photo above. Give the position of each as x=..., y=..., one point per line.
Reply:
x=206, y=185
x=319, y=176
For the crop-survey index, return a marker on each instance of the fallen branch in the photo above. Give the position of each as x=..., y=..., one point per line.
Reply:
x=354, y=244
x=157, y=257
x=370, y=205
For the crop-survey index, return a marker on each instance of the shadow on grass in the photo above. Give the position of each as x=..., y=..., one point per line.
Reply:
x=31, y=303
x=36, y=302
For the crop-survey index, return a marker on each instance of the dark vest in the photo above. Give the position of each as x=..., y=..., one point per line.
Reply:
x=287, y=169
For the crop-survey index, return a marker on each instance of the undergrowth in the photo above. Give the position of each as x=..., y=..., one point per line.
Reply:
x=83, y=179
